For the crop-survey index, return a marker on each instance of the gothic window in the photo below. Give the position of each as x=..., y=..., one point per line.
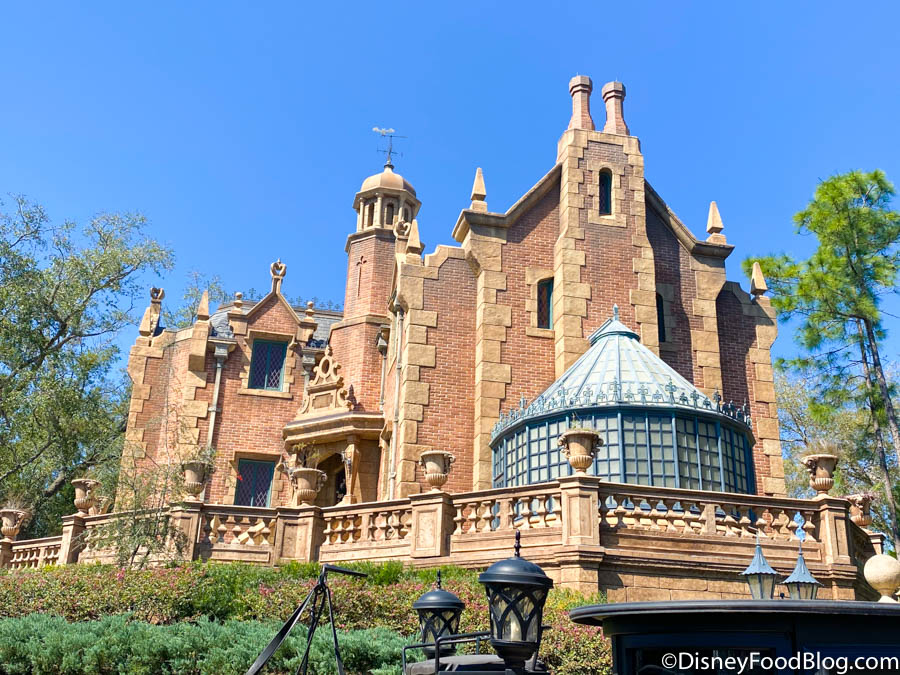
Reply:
x=604, y=193
x=267, y=364
x=389, y=214
x=660, y=318
x=254, y=483
x=545, y=304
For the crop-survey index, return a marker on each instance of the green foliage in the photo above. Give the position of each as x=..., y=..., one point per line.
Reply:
x=185, y=314
x=835, y=295
x=65, y=292
x=40, y=643
x=235, y=592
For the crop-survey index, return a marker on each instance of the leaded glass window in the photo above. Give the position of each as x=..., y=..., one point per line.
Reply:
x=545, y=304
x=254, y=482
x=267, y=364
x=604, y=193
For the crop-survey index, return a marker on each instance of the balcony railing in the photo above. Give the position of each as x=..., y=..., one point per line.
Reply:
x=577, y=520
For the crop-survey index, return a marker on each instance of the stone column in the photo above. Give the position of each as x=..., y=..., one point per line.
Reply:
x=5, y=552
x=70, y=546
x=580, y=501
x=299, y=532
x=833, y=535
x=432, y=524
x=186, y=518
x=378, y=221
x=351, y=470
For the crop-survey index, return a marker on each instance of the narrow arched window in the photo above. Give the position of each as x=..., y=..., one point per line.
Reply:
x=406, y=214
x=660, y=318
x=604, y=193
x=545, y=304
x=370, y=216
x=389, y=214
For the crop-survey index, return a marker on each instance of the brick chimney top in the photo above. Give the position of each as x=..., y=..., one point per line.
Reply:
x=613, y=95
x=580, y=88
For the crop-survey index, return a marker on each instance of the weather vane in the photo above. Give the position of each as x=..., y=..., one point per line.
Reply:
x=390, y=152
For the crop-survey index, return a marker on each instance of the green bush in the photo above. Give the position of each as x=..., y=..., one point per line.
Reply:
x=40, y=643
x=212, y=595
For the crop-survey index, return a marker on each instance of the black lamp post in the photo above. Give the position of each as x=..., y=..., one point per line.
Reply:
x=802, y=585
x=439, y=613
x=760, y=575
x=516, y=590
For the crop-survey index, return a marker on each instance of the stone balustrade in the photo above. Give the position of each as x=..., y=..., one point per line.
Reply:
x=585, y=532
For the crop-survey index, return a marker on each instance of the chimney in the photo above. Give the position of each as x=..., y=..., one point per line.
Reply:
x=613, y=95
x=580, y=88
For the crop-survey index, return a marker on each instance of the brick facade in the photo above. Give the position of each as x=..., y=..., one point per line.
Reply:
x=431, y=348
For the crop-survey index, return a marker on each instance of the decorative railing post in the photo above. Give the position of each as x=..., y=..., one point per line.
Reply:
x=186, y=518
x=834, y=537
x=71, y=544
x=299, y=533
x=580, y=504
x=432, y=524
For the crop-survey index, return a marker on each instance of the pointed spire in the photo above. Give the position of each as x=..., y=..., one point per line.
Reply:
x=757, y=281
x=714, y=220
x=203, y=307
x=414, y=243
x=478, y=193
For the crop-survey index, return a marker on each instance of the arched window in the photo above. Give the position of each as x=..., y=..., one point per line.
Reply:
x=370, y=215
x=604, y=193
x=406, y=214
x=545, y=304
x=389, y=214
x=660, y=318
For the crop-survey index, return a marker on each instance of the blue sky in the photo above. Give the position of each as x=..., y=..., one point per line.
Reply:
x=243, y=130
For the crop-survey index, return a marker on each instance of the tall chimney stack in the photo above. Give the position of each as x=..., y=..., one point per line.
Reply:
x=613, y=95
x=580, y=88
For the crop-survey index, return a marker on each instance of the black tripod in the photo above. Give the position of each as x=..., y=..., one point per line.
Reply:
x=315, y=600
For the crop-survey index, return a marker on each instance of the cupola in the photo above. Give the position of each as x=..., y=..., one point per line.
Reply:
x=384, y=200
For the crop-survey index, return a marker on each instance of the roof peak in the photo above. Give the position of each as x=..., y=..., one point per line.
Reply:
x=613, y=326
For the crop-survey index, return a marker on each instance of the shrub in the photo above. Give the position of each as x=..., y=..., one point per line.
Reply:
x=211, y=595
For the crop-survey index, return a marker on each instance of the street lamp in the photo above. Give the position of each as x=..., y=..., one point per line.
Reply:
x=760, y=575
x=802, y=585
x=439, y=613
x=516, y=590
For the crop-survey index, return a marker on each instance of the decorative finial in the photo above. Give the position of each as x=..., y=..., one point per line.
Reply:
x=758, y=284
x=203, y=307
x=310, y=309
x=278, y=270
x=389, y=153
x=238, y=299
x=157, y=295
x=479, y=193
x=615, y=312
x=439, y=579
x=714, y=220
x=518, y=543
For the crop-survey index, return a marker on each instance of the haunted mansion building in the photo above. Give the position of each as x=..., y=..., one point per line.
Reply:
x=588, y=303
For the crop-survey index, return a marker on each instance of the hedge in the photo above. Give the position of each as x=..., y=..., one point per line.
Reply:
x=224, y=592
x=40, y=643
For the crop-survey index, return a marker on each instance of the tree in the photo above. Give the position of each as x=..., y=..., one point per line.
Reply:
x=836, y=295
x=65, y=293
x=186, y=313
x=849, y=427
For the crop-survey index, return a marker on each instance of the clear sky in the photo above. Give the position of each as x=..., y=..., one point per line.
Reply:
x=243, y=130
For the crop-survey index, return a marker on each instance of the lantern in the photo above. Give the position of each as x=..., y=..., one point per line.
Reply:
x=439, y=613
x=802, y=585
x=760, y=575
x=516, y=590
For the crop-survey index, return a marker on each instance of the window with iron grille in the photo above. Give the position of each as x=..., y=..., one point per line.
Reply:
x=267, y=364
x=545, y=304
x=604, y=194
x=254, y=482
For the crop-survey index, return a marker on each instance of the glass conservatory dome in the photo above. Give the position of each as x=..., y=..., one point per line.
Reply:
x=657, y=428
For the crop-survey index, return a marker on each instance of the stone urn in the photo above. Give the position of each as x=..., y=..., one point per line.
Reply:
x=12, y=520
x=194, y=472
x=579, y=446
x=306, y=483
x=84, y=494
x=861, y=508
x=883, y=574
x=436, y=467
x=821, y=471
